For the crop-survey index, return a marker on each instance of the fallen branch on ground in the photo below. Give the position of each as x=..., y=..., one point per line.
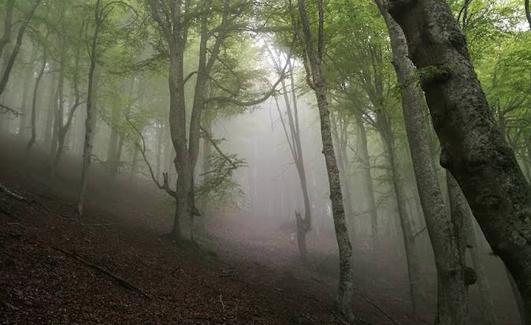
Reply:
x=379, y=309
x=124, y=283
x=11, y=193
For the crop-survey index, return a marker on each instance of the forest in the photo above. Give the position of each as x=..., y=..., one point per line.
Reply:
x=265, y=162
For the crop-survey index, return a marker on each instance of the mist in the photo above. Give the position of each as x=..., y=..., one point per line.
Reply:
x=240, y=162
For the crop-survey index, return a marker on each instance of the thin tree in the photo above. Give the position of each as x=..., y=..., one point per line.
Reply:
x=18, y=43
x=313, y=54
x=292, y=133
x=38, y=79
x=101, y=13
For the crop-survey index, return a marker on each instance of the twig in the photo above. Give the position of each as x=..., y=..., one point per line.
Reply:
x=124, y=283
x=221, y=301
x=11, y=193
x=142, y=148
x=10, y=110
x=215, y=145
x=372, y=303
x=419, y=232
x=97, y=224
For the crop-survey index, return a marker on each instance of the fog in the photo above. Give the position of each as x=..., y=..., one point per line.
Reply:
x=232, y=175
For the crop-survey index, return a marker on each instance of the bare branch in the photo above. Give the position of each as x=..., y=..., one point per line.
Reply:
x=142, y=148
x=8, y=109
x=207, y=136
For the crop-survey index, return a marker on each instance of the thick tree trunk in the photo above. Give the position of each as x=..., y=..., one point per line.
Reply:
x=488, y=312
x=446, y=234
x=520, y=305
x=179, y=137
x=473, y=148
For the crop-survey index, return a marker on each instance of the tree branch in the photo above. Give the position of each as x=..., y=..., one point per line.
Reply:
x=142, y=148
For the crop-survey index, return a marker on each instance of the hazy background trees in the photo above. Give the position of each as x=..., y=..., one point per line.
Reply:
x=214, y=103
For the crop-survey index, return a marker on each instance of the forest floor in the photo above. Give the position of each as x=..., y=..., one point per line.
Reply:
x=114, y=266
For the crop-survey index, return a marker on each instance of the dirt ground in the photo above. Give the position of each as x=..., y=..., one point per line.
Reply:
x=114, y=266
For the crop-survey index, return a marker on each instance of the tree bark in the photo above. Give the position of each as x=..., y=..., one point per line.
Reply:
x=473, y=148
x=488, y=312
x=367, y=178
x=113, y=160
x=408, y=235
x=49, y=110
x=28, y=77
x=8, y=19
x=16, y=48
x=34, y=101
x=527, y=12
x=446, y=234
x=292, y=134
x=90, y=121
x=316, y=79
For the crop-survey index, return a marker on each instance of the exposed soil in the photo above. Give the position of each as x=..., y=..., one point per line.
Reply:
x=114, y=266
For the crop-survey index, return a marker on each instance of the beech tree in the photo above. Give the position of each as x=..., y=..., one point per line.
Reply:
x=473, y=148
x=217, y=22
x=313, y=40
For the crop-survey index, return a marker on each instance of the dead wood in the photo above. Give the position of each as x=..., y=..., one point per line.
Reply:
x=121, y=281
x=12, y=194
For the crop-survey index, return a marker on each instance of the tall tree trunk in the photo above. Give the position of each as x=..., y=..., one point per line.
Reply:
x=292, y=134
x=8, y=21
x=16, y=48
x=488, y=311
x=367, y=178
x=179, y=137
x=160, y=133
x=473, y=148
x=520, y=305
x=90, y=127
x=49, y=109
x=90, y=121
x=408, y=235
x=446, y=234
x=28, y=77
x=314, y=53
x=58, y=108
x=527, y=12
x=61, y=127
x=113, y=160
x=34, y=102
